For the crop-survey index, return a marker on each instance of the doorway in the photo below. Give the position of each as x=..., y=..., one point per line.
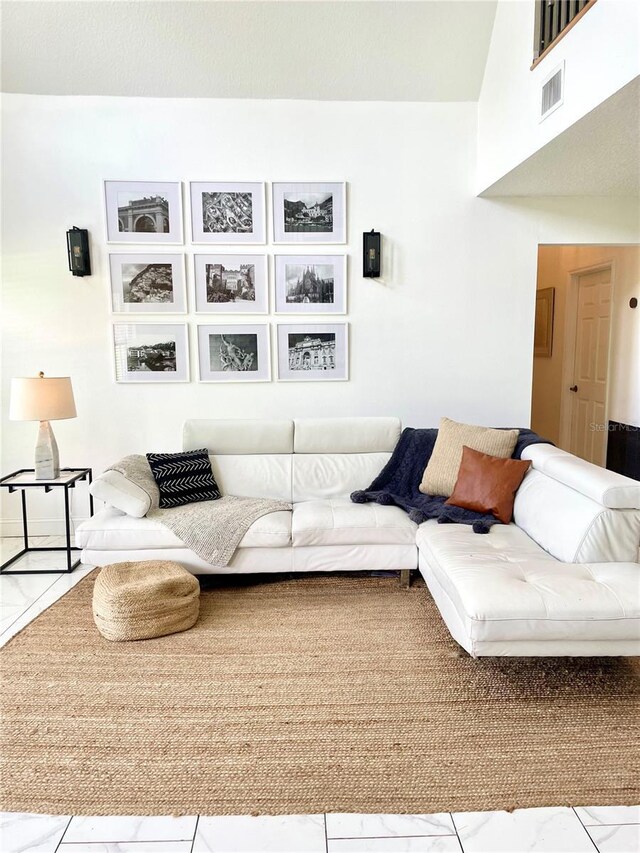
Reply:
x=586, y=373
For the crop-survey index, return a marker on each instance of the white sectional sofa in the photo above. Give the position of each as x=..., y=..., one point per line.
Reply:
x=562, y=579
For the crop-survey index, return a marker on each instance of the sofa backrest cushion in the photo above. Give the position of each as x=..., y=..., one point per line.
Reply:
x=605, y=487
x=573, y=527
x=239, y=437
x=318, y=476
x=306, y=459
x=346, y=435
x=254, y=476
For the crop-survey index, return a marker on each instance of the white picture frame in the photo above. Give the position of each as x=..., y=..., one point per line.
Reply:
x=309, y=212
x=310, y=284
x=324, y=358
x=228, y=212
x=145, y=212
x=221, y=345
x=147, y=283
x=136, y=346
x=219, y=275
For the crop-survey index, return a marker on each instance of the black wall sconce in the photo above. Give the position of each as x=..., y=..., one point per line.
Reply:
x=371, y=254
x=78, y=251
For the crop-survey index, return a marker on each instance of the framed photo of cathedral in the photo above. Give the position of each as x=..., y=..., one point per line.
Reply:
x=309, y=213
x=143, y=211
x=226, y=212
x=317, y=352
x=147, y=284
x=231, y=284
x=234, y=353
x=311, y=284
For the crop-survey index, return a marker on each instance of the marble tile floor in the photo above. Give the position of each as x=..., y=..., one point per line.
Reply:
x=608, y=829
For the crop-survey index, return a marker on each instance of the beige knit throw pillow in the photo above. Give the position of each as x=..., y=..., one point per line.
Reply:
x=441, y=473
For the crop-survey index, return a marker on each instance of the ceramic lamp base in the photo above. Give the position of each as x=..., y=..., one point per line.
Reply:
x=47, y=462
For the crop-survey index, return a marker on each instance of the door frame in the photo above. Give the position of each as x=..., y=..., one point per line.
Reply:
x=570, y=336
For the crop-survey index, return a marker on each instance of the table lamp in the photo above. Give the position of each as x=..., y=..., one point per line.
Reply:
x=44, y=399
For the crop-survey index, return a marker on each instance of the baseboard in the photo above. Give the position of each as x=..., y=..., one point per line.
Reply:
x=37, y=526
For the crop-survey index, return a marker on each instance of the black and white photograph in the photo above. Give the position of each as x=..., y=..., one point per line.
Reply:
x=151, y=352
x=310, y=284
x=316, y=352
x=234, y=353
x=309, y=213
x=143, y=211
x=227, y=212
x=231, y=284
x=147, y=284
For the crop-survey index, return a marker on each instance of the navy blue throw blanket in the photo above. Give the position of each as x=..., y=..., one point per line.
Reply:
x=397, y=483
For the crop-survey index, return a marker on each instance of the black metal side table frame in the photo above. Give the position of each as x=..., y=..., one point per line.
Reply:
x=9, y=482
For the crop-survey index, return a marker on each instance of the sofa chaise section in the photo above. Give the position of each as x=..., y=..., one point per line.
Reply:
x=563, y=579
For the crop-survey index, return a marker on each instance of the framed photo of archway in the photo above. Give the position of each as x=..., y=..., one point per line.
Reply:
x=143, y=211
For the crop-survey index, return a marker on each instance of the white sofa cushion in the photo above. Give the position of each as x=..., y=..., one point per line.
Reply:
x=346, y=435
x=503, y=588
x=116, y=490
x=222, y=437
x=254, y=476
x=340, y=522
x=573, y=527
x=605, y=487
x=320, y=476
x=112, y=530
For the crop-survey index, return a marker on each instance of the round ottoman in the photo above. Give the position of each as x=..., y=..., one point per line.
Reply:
x=139, y=600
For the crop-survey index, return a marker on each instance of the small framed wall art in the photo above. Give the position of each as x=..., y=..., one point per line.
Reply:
x=151, y=352
x=227, y=212
x=543, y=331
x=143, y=211
x=231, y=284
x=147, y=284
x=234, y=353
x=313, y=352
x=309, y=213
x=311, y=284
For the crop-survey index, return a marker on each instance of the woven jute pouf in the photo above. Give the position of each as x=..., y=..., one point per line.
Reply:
x=140, y=600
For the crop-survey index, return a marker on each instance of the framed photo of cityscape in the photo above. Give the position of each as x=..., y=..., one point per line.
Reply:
x=143, y=211
x=151, y=352
x=313, y=352
x=147, y=284
x=309, y=213
x=231, y=284
x=311, y=284
x=228, y=213
x=234, y=353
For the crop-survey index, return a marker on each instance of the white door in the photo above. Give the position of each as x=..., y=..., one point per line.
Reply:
x=591, y=367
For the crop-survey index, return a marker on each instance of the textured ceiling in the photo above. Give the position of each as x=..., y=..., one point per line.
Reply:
x=598, y=155
x=386, y=50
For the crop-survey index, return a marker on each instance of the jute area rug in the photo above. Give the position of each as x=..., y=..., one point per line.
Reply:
x=318, y=694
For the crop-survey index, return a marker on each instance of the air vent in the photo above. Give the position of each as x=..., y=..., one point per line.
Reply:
x=552, y=92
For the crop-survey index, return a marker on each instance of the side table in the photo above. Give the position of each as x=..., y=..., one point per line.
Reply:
x=25, y=479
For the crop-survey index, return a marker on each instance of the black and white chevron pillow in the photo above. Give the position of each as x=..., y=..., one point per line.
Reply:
x=183, y=478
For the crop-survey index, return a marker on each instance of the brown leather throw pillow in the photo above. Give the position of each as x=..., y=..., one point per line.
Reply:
x=488, y=483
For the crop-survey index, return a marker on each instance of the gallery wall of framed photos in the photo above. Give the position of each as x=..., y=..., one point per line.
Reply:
x=226, y=272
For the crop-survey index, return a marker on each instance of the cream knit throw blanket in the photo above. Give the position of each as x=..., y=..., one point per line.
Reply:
x=212, y=529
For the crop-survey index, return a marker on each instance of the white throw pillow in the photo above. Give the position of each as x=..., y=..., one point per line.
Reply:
x=118, y=490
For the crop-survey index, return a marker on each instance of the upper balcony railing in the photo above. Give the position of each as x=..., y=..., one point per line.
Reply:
x=554, y=18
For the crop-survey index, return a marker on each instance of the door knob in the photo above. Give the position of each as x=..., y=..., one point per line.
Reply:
x=573, y=388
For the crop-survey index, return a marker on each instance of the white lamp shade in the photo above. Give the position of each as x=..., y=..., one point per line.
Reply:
x=42, y=399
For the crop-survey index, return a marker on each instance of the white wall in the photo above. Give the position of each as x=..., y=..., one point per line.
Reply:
x=448, y=331
x=601, y=54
